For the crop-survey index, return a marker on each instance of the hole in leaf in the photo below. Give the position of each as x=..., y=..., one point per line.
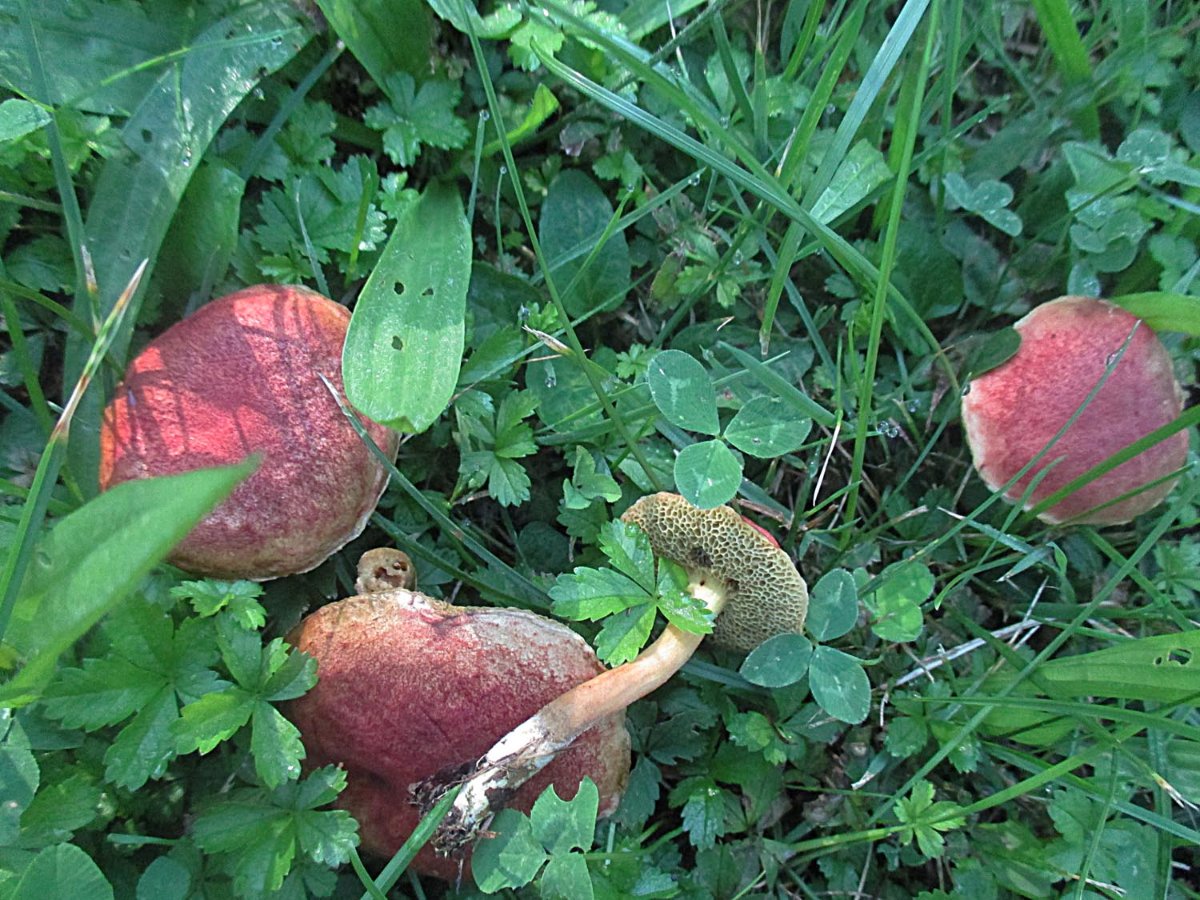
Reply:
x=397, y=342
x=1177, y=657
x=147, y=135
x=428, y=292
x=398, y=288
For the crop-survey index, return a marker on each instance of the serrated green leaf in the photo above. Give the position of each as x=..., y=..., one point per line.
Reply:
x=628, y=549
x=212, y=719
x=707, y=474
x=405, y=343
x=625, y=633
x=703, y=814
x=276, y=746
x=839, y=685
x=684, y=611
x=91, y=560
x=102, y=692
x=591, y=594
x=778, y=661
x=683, y=392
x=833, y=605
x=144, y=746
x=414, y=116
x=562, y=825
x=767, y=427
x=508, y=858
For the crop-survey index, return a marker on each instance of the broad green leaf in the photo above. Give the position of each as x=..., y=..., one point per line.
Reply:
x=861, y=171
x=138, y=191
x=91, y=560
x=839, y=685
x=778, y=661
x=20, y=775
x=62, y=871
x=1164, y=310
x=994, y=350
x=509, y=857
x=562, y=825
x=405, y=343
x=383, y=35
x=766, y=427
x=165, y=879
x=587, y=274
x=896, y=602
x=832, y=605
x=683, y=391
x=707, y=474
x=1163, y=668
x=199, y=244
x=566, y=878
x=19, y=117
x=108, y=77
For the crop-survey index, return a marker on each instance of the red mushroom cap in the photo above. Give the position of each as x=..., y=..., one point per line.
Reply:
x=1013, y=411
x=408, y=685
x=241, y=376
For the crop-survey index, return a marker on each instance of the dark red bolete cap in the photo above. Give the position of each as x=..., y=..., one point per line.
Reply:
x=241, y=376
x=409, y=685
x=1013, y=411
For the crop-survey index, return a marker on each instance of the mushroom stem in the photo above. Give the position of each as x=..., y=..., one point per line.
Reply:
x=529, y=747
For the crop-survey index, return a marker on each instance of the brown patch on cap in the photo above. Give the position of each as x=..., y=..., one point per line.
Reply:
x=766, y=596
x=1011, y=412
x=242, y=376
x=409, y=685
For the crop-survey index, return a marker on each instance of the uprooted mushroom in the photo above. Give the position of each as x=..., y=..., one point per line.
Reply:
x=409, y=684
x=733, y=568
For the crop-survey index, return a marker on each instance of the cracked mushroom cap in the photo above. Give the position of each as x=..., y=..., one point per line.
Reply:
x=766, y=596
x=242, y=375
x=1014, y=410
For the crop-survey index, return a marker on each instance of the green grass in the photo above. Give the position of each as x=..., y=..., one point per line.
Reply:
x=749, y=251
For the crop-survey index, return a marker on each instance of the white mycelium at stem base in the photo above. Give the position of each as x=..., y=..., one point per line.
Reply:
x=731, y=567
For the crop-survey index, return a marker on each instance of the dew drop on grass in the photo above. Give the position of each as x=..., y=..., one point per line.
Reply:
x=484, y=115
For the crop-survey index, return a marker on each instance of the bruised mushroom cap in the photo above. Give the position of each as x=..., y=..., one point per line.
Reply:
x=1013, y=411
x=408, y=685
x=242, y=375
x=765, y=595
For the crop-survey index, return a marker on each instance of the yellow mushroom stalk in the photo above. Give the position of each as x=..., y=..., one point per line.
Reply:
x=733, y=569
